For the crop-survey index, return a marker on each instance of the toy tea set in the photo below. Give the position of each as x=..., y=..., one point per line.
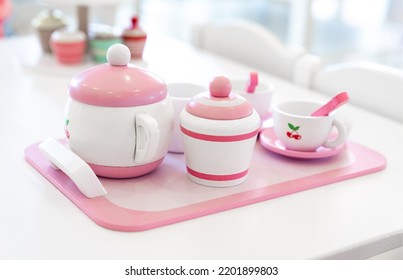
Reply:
x=69, y=46
x=120, y=120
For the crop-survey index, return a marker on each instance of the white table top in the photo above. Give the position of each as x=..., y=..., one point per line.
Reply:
x=357, y=218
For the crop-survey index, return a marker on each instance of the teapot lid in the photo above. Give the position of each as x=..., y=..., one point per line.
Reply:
x=117, y=83
x=219, y=103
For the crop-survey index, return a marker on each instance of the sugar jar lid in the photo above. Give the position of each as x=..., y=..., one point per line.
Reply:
x=117, y=83
x=219, y=103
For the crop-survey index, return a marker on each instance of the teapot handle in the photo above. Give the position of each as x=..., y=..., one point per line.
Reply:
x=147, y=137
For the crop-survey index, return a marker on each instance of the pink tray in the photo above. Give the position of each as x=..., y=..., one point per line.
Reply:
x=166, y=195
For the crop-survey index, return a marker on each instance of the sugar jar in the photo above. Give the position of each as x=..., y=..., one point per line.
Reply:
x=219, y=130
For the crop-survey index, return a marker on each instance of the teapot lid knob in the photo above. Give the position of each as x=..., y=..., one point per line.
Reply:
x=118, y=55
x=220, y=87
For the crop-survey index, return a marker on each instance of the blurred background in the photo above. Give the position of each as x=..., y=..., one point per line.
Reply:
x=336, y=30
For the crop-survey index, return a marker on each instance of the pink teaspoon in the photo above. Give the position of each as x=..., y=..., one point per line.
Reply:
x=332, y=105
x=252, y=82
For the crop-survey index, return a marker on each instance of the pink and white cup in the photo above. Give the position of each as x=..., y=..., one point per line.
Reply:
x=219, y=130
x=135, y=39
x=299, y=131
x=68, y=46
x=260, y=99
x=180, y=94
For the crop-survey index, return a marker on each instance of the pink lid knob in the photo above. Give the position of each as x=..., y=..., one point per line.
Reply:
x=220, y=87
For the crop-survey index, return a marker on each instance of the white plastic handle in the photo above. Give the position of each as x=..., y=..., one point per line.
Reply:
x=147, y=138
x=341, y=135
x=74, y=167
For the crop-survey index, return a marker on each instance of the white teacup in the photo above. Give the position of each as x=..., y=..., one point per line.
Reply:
x=260, y=98
x=180, y=94
x=298, y=131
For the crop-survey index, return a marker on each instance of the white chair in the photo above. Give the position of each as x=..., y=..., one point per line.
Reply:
x=373, y=86
x=252, y=44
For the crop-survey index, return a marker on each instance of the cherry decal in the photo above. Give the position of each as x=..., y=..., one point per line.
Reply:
x=66, y=131
x=293, y=133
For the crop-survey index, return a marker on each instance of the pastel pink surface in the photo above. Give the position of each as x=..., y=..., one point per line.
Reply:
x=332, y=105
x=173, y=198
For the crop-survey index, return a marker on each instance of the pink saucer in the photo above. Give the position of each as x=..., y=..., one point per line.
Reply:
x=269, y=140
x=267, y=122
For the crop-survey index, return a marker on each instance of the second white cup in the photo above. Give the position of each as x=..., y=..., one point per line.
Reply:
x=260, y=98
x=180, y=94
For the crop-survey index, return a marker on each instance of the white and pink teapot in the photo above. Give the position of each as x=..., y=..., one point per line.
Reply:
x=119, y=117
